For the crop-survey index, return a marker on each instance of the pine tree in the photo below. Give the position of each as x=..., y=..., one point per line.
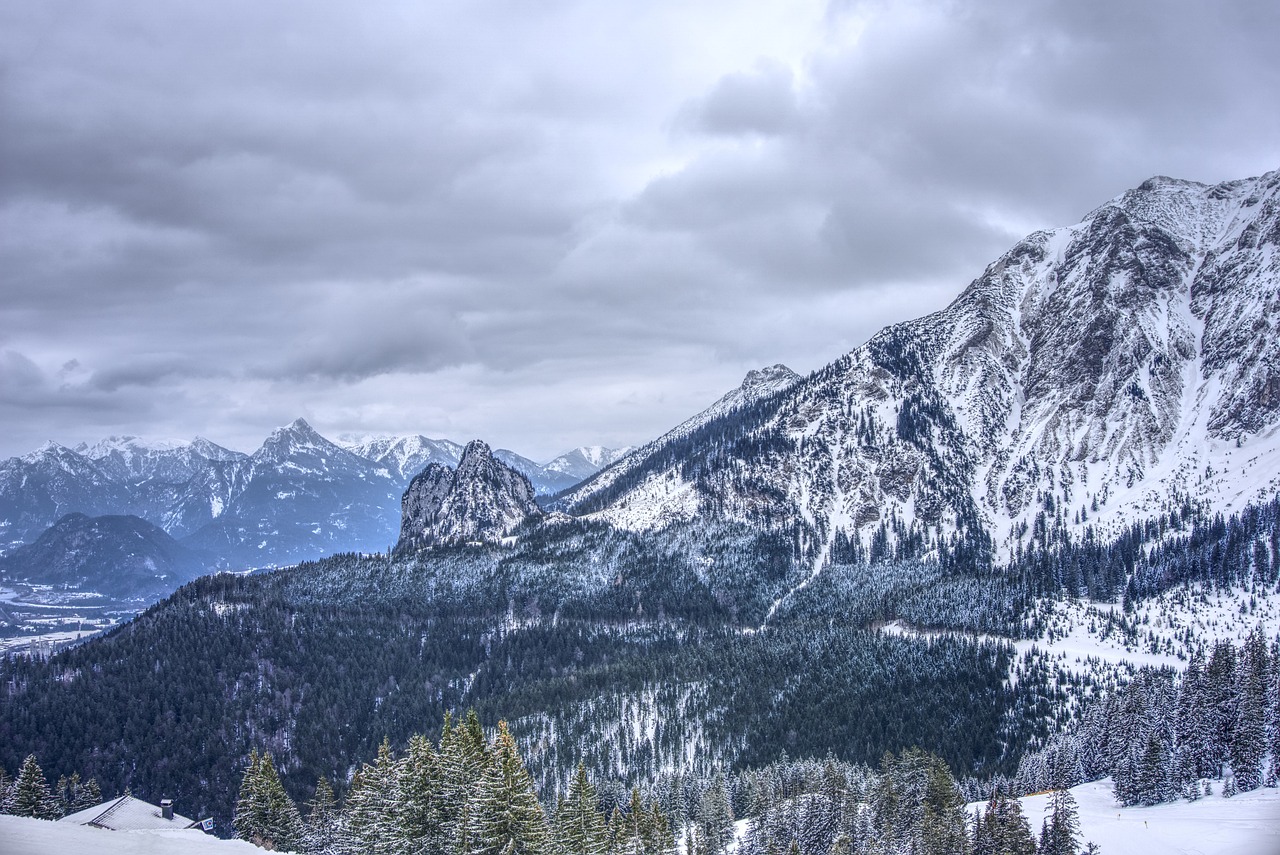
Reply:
x=1193, y=729
x=507, y=818
x=464, y=759
x=1249, y=737
x=264, y=813
x=87, y=796
x=247, y=820
x=322, y=817
x=715, y=817
x=1220, y=694
x=581, y=829
x=370, y=821
x=29, y=795
x=421, y=810
x=1060, y=834
x=1004, y=829
x=943, y=830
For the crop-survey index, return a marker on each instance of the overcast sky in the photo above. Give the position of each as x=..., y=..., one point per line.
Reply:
x=549, y=224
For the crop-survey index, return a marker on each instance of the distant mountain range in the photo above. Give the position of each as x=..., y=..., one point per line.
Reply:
x=300, y=496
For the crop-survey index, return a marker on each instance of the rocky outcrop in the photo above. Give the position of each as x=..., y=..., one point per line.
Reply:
x=478, y=502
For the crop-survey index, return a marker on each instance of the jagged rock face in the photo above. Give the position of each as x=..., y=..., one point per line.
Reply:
x=477, y=502
x=1105, y=369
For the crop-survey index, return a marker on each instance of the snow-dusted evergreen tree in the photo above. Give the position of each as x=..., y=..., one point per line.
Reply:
x=1220, y=697
x=1193, y=728
x=29, y=794
x=265, y=814
x=1249, y=737
x=420, y=785
x=581, y=829
x=464, y=760
x=715, y=818
x=322, y=817
x=370, y=821
x=1003, y=829
x=507, y=818
x=943, y=827
x=1060, y=834
x=73, y=794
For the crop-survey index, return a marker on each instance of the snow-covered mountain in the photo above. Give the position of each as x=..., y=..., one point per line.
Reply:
x=299, y=496
x=477, y=502
x=1093, y=375
x=406, y=456
x=759, y=385
x=133, y=460
x=43, y=486
x=585, y=461
x=302, y=496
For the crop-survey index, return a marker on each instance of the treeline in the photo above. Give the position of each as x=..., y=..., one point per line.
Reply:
x=28, y=793
x=464, y=794
x=472, y=794
x=1183, y=545
x=1164, y=736
x=318, y=663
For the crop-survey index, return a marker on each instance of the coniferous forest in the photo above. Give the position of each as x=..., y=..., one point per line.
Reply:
x=652, y=680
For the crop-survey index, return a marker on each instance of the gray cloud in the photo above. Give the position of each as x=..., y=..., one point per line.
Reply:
x=549, y=224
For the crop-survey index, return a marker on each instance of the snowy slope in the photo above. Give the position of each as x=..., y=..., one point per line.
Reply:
x=650, y=507
x=1246, y=824
x=23, y=836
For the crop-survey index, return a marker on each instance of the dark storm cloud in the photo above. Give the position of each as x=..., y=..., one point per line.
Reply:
x=549, y=224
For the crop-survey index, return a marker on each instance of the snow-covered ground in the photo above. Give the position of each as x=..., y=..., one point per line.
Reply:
x=1247, y=824
x=22, y=836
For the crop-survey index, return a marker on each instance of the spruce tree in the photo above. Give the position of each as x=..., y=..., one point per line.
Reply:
x=1004, y=829
x=322, y=817
x=581, y=829
x=944, y=823
x=506, y=818
x=1249, y=737
x=464, y=758
x=1060, y=834
x=370, y=821
x=29, y=795
x=283, y=823
x=715, y=817
x=247, y=820
x=420, y=788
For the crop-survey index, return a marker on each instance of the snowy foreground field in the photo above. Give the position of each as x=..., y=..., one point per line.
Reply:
x=22, y=836
x=1248, y=824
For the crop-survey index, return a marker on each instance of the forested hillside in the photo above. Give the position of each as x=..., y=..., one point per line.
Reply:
x=618, y=651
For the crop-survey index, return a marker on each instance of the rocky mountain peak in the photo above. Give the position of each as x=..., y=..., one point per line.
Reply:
x=295, y=439
x=1092, y=375
x=771, y=379
x=477, y=502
